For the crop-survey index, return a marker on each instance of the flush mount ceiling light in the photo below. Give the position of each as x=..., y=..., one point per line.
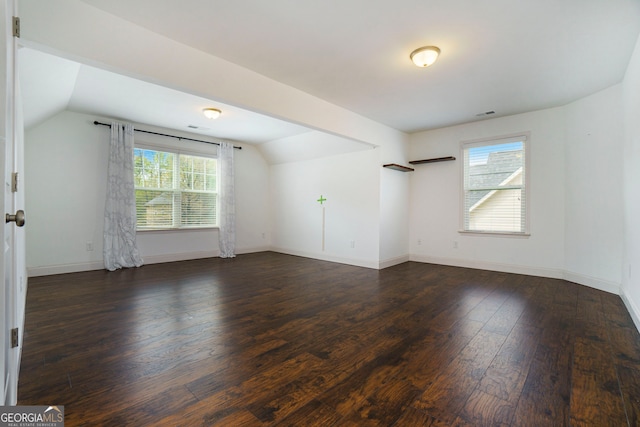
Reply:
x=211, y=113
x=425, y=56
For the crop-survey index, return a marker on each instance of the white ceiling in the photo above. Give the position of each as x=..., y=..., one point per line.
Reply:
x=51, y=84
x=497, y=55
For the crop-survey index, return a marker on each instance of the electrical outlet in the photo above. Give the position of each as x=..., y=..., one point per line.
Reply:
x=455, y=244
x=353, y=244
x=419, y=242
x=89, y=246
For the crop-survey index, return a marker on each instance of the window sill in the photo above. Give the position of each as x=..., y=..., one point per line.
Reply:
x=495, y=234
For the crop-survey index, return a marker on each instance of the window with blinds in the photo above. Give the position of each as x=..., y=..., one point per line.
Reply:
x=494, y=185
x=175, y=190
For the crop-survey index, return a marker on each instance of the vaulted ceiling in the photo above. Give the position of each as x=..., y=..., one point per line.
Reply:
x=503, y=56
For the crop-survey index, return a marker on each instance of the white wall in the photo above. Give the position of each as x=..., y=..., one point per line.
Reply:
x=350, y=183
x=66, y=163
x=631, y=264
x=308, y=146
x=593, y=189
x=394, y=205
x=576, y=197
x=394, y=216
x=435, y=198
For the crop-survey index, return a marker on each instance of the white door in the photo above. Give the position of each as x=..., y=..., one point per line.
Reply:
x=12, y=264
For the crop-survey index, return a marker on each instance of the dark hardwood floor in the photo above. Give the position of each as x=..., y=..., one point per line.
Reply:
x=271, y=339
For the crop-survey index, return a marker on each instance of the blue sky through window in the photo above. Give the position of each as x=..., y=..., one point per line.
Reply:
x=148, y=154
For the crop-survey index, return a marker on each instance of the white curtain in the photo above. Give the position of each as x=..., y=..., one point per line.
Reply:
x=120, y=249
x=227, y=232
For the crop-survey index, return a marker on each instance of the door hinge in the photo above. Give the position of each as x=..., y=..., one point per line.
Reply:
x=16, y=26
x=14, y=182
x=14, y=337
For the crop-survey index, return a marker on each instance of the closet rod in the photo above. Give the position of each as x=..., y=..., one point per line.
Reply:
x=164, y=134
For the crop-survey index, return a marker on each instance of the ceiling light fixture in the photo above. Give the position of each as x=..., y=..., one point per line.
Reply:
x=211, y=113
x=425, y=56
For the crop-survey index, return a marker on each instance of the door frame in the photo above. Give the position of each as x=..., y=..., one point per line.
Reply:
x=12, y=263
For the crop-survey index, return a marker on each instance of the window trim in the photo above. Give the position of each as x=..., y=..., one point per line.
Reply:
x=501, y=139
x=178, y=152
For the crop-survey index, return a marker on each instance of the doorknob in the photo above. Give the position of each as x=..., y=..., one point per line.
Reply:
x=18, y=218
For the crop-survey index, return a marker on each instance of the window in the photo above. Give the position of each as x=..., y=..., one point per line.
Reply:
x=175, y=190
x=494, y=185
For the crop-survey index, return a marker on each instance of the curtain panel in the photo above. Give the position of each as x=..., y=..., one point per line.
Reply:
x=227, y=232
x=120, y=249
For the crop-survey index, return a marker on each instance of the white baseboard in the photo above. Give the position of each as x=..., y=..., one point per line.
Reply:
x=325, y=257
x=393, y=261
x=150, y=259
x=159, y=259
x=491, y=266
x=581, y=279
x=631, y=307
x=253, y=250
x=48, y=270
x=592, y=282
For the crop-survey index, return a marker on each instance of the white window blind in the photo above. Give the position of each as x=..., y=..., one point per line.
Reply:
x=175, y=190
x=494, y=181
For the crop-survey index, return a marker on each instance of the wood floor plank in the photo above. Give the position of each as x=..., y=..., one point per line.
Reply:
x=506, y=375
x=437, y=351
x=313, y=414
x=447, y=395
x=416, y=417
x=348, y=395
x=545, y=397
x=615, y=310
x=388, y=402
x=630, y=389
x=625, y=343
x=482, y=409
x=214, y=410
x=268, y=339
x=147, y=410
x=489, y=306
x=590, y=315
x=596, y=398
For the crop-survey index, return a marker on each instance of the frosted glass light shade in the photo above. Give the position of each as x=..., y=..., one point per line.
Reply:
x=211, y=113
x=425, y=56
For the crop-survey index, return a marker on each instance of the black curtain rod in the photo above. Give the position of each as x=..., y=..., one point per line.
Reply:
x=164, y=134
